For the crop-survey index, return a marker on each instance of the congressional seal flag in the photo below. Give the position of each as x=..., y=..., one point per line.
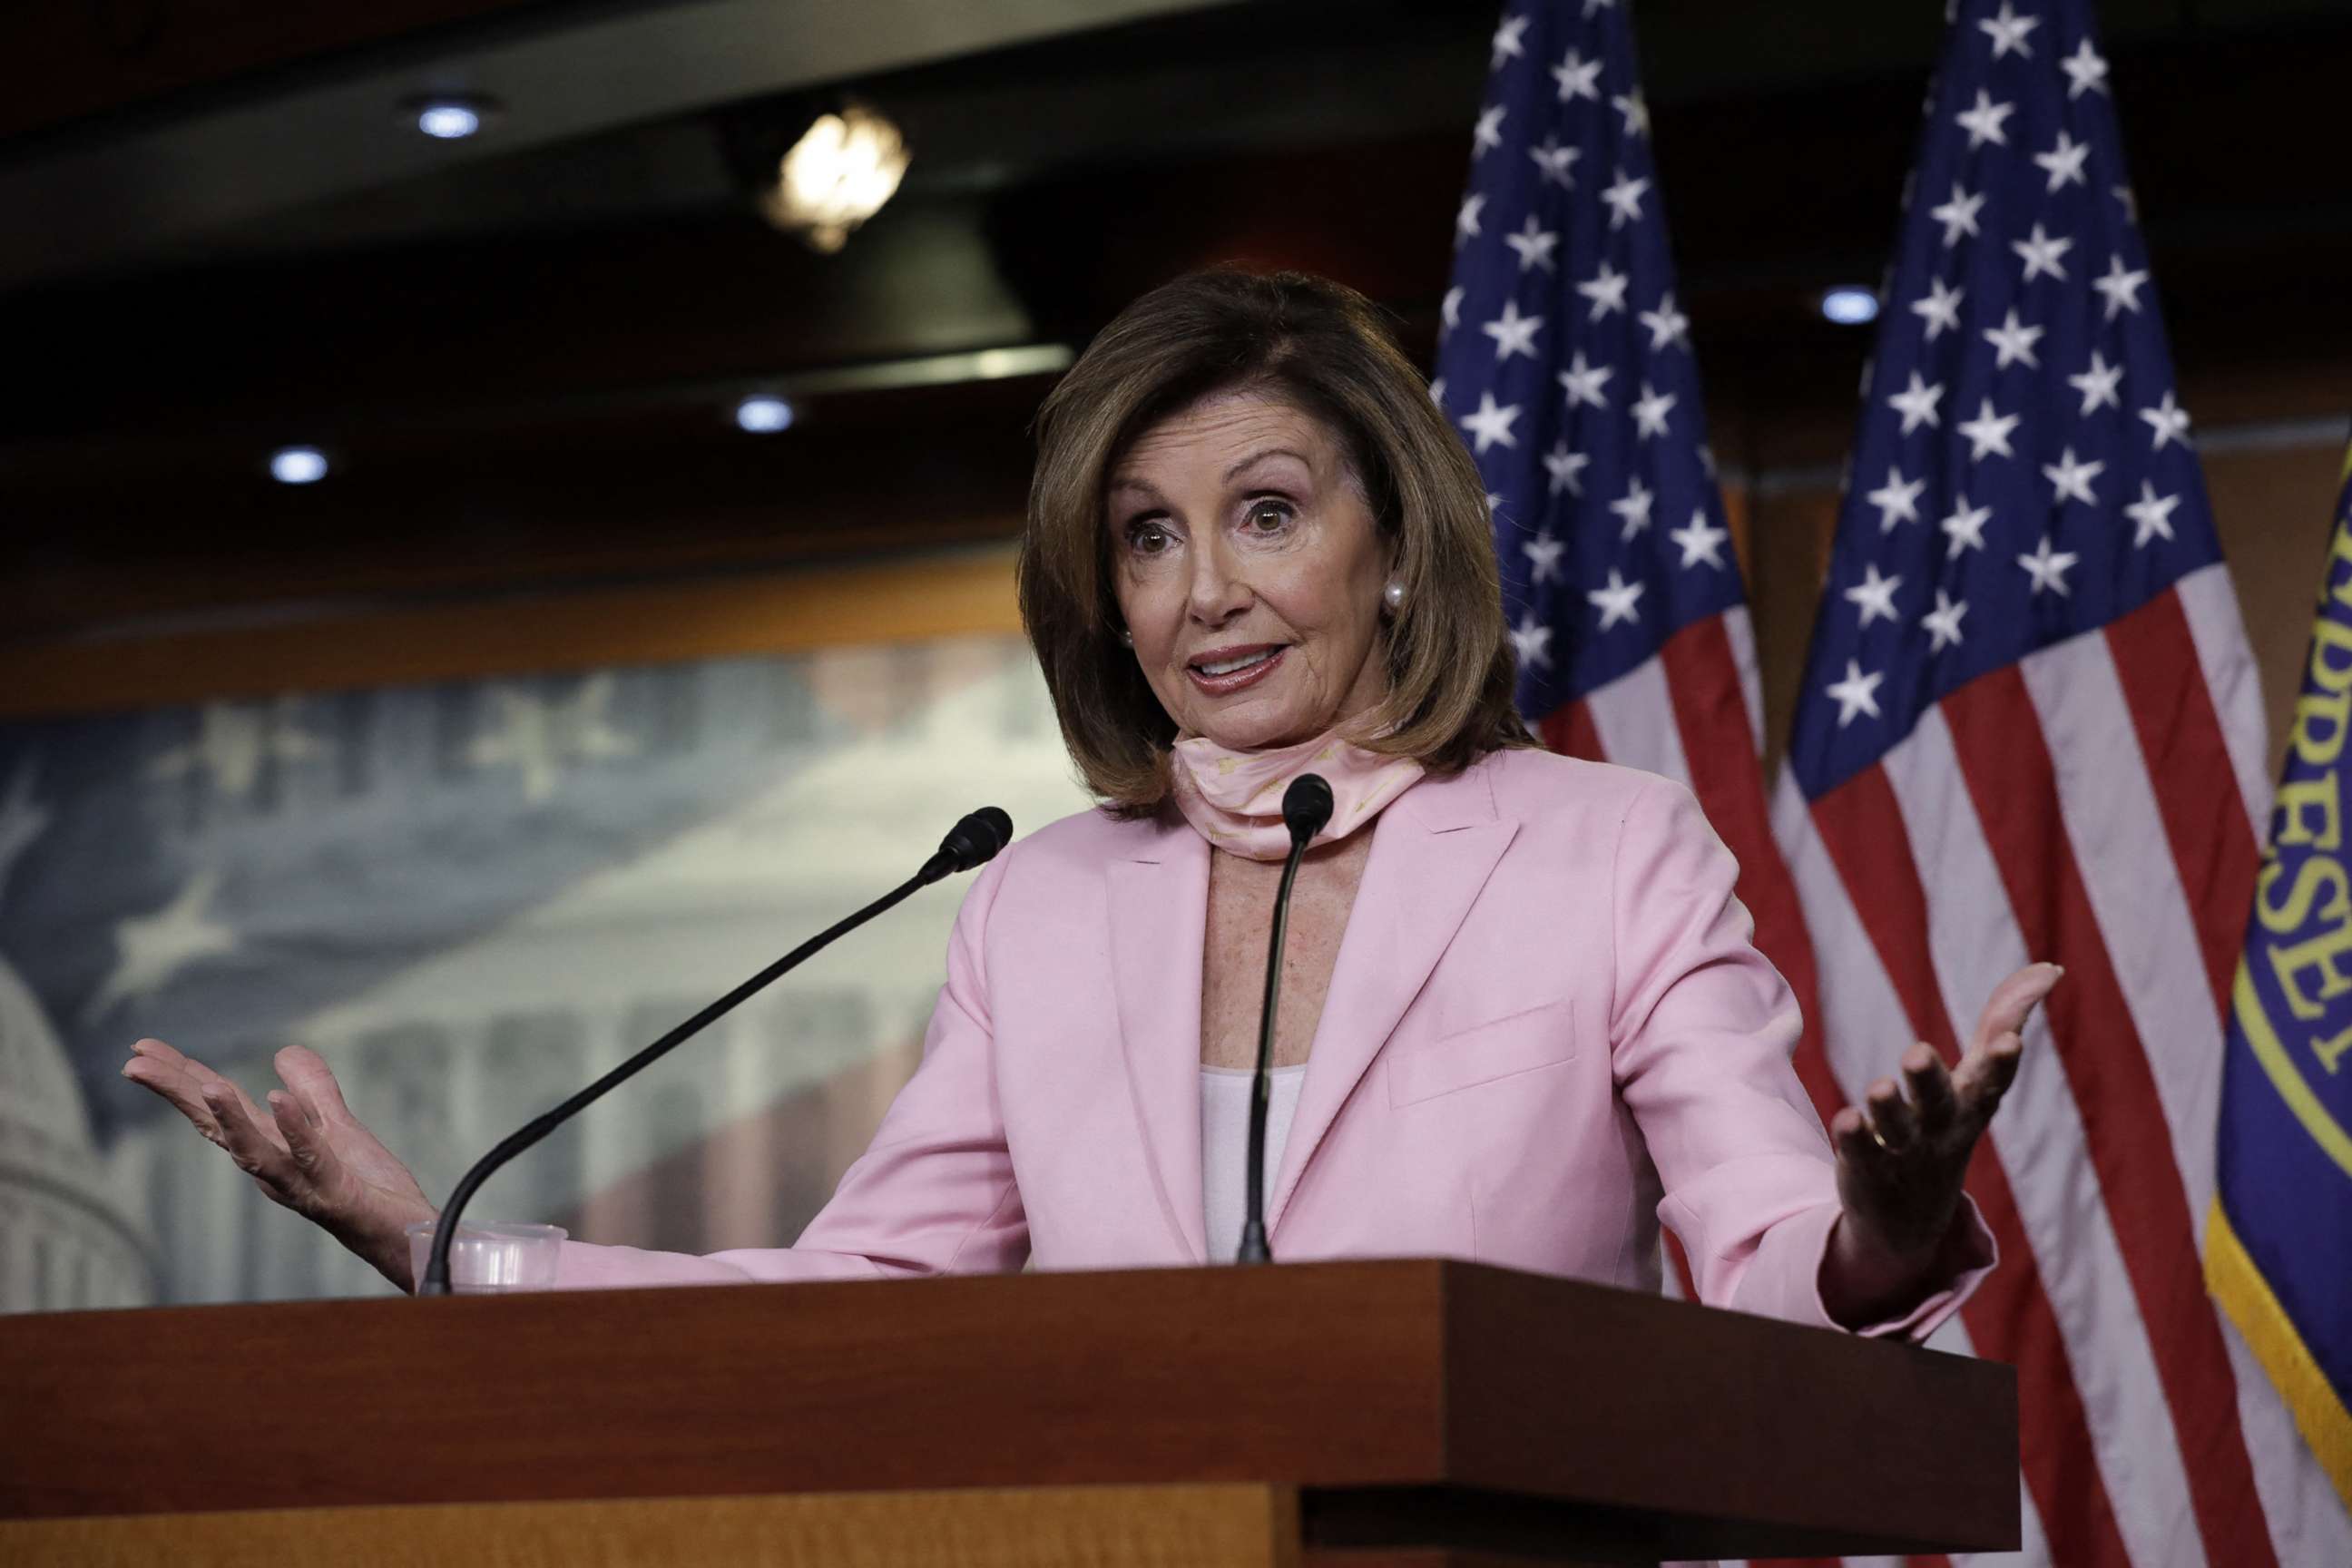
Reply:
x=2030, y=729
x=1566, y=362
x=2278, y=1241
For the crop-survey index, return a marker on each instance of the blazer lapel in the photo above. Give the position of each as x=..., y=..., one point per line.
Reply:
x=1432, y=851
x=1159, y=899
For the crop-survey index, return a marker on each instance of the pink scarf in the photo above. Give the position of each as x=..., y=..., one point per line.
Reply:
x=1233, y=799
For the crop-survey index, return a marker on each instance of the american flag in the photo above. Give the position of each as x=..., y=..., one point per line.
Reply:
x=2030, y=729
x=1566, y=362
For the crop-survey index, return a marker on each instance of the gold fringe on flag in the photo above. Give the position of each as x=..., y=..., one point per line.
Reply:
x=2234, y=1281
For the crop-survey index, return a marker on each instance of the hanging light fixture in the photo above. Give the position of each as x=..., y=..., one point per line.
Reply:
x=836, y=176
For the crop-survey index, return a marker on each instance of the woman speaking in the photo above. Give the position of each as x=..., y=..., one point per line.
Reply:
x=1520, y=1018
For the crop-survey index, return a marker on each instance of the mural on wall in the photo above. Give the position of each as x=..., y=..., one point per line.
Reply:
x=472, y=898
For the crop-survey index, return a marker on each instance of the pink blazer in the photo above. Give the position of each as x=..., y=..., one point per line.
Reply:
x=1546, y=1032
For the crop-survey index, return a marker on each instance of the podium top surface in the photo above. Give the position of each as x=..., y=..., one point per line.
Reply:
x=1396, y=1374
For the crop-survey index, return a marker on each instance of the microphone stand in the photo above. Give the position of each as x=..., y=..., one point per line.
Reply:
x=1305, y=807
x=975, y=839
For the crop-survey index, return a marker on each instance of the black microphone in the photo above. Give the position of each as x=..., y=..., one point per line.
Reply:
x=1305, y=807
x=972, y=842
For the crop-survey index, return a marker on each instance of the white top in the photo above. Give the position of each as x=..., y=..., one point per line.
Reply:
x=1224, y=1147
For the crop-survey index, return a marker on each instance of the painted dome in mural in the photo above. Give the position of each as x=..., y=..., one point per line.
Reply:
x=66, y=1239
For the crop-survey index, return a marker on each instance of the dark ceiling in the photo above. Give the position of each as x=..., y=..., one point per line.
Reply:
x=521, y=351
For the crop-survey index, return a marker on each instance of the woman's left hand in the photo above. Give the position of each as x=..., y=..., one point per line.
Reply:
x=1901, y=1160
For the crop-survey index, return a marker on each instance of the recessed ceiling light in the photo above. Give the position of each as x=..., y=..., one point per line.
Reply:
x=1849, y=306
x=448, y=122
x=297, y=465
x=449, y=117
x=762, y=413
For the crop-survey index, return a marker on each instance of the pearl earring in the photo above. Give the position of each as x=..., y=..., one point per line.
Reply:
x=1393, y=595
x=1127, y=636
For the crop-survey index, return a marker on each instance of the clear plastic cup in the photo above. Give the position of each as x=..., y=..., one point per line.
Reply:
x=489, y=1258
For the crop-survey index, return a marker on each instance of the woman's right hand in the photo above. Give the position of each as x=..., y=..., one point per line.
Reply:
x=310, y=1153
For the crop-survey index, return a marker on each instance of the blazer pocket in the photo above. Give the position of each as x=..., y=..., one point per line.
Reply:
x=1517, y=1043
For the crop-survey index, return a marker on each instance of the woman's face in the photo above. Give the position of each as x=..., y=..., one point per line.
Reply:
x=1249, y=570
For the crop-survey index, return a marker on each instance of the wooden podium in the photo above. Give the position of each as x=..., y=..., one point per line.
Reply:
x=1342, y=1413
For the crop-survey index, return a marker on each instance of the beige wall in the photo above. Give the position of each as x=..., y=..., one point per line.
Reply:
x=2275, y=509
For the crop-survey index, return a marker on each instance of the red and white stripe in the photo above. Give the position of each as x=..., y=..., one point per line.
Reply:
x=2097, y=805
x=2124, y=778
x=1694, y=714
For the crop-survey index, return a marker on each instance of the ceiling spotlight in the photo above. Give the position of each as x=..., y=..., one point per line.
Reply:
x=297, y=465
x=1849, y=306
x=449, y=117
x=836, y=176
x=762, y=413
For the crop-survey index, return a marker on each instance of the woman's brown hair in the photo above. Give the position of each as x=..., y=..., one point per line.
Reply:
x=1323, y=348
